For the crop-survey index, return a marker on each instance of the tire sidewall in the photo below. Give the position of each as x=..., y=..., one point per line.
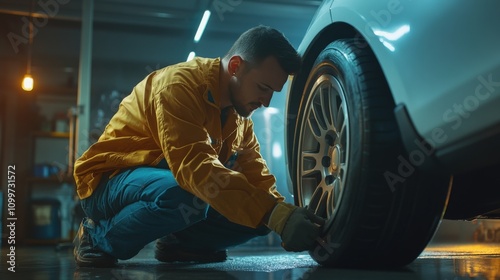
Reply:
x=334, y=61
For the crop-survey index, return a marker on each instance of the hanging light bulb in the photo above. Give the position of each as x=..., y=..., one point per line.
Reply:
x=28, y=81
x=27, y=84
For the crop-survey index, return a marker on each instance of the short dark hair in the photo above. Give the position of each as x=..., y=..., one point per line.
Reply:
x=257, y=43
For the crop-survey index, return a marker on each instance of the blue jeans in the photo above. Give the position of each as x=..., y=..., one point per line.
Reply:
x=140, y=205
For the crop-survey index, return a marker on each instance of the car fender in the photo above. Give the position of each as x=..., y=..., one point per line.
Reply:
x=429, y=58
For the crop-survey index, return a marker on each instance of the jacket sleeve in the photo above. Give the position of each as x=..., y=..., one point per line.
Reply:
x=251, y=163
x=180, y=115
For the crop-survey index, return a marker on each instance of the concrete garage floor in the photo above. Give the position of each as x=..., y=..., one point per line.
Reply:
x=438, y=261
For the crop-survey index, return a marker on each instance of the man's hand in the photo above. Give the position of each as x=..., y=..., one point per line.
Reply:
x=297, y=226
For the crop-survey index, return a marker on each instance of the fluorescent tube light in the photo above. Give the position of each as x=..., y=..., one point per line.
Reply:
x=191, y=56
x=203, y=24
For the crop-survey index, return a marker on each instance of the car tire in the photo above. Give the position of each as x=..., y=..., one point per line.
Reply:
x=350, y=166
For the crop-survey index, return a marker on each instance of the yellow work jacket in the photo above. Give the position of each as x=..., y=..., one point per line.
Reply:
x=174, y=114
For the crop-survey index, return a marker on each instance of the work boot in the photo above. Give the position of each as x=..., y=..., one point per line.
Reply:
x=86, y=255
x=168, y=249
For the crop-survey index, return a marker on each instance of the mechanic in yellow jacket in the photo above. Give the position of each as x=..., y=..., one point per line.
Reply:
x=179, y=162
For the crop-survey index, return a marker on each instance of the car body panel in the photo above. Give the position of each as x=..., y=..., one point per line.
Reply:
x=441, y=60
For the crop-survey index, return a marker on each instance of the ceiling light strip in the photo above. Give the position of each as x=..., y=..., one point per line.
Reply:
x=203, y=24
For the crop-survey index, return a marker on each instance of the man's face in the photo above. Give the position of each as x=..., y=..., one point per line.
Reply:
x=252, y=88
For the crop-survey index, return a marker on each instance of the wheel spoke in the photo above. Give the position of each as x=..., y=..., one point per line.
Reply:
x=317, y=120
x=332, y=106
x=309, y=187
x=313, y=125
x=310, y=163
x=318, y=111
x=339, y=123
x=325, y=107
x=343, y=138
x=320, y=199
x=330, y=207
x=337, y=189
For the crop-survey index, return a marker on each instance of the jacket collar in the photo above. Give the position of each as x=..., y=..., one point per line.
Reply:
x=212, y=78
x=212, y=94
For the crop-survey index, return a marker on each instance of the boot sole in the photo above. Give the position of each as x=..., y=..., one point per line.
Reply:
x=86, y=262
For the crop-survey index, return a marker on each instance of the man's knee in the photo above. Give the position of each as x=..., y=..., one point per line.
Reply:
x=190, y=208
x=193, y=211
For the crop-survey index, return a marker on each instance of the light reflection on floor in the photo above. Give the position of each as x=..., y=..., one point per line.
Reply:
x=477, y=260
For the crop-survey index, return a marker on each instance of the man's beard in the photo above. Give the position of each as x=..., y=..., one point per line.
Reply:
x=241, y=109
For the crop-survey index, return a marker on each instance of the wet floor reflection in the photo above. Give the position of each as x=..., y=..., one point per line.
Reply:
x=479, y=268
x=444, y=262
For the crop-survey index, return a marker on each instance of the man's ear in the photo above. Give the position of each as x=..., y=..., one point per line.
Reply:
x=234, y=64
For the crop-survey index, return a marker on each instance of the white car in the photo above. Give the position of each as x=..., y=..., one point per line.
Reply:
x=393, y=124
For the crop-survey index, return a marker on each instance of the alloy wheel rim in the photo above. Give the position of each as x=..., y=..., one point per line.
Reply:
x=323, y=148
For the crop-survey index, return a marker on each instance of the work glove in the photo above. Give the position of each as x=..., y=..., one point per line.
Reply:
x=298, y=227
